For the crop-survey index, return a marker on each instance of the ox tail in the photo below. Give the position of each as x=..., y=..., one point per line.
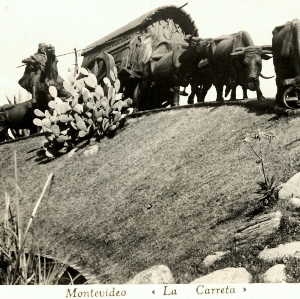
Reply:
x=245, y=79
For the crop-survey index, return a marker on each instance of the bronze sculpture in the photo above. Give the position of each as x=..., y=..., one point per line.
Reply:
x=145, y=51
x=235, y=60
x=36, y=63
x=20, y=116
x=286, y=53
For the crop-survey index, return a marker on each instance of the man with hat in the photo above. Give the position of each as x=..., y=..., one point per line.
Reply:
x=37, y=62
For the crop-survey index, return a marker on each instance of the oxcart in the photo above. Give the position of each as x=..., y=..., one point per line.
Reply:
x=134, y=46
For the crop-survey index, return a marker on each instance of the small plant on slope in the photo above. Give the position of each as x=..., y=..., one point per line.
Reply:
x=91, y=111
x=20, y=263
x=267, y=186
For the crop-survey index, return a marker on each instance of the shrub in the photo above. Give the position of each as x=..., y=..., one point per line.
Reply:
x=267, y=186
x=90, y=111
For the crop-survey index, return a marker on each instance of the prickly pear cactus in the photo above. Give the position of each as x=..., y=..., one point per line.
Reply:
x=90, y=111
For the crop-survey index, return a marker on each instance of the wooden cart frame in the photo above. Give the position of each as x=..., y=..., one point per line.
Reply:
x=120, y=47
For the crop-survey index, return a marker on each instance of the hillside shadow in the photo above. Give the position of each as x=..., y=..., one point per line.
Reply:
x=41, y=157
x=33, y=150
x=233, y=215
x=292, y=143
x=30, y=158
x=246, y=211
x=43, y=160
x=254, y=212
x=258, y=107
x=263, y=107
x=214, y=108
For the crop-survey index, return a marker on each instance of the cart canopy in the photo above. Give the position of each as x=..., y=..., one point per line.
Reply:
x=157, y=31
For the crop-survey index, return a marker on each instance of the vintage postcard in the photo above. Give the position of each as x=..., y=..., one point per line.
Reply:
x=149, y=149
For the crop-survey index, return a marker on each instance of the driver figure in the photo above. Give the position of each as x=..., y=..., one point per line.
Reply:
x=37, y=61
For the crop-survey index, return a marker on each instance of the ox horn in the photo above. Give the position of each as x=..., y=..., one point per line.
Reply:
x=195, y=32
x=237, y=52
x=265, y=77
x=266, y=52
x=267, y=48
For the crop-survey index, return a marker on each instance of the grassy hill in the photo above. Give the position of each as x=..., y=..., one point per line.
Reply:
x=170, y=189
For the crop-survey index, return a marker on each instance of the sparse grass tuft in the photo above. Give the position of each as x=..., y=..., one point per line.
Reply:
x=20, y=261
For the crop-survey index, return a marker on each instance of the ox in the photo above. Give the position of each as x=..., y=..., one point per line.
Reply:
x=17, y=117
x=20, y=116
x=196, y=69
x=164, y=73
x=286, y=55
x=236, y=61
x=18, y=100
x=201, y=82
x=3, y=128
x=161, y=79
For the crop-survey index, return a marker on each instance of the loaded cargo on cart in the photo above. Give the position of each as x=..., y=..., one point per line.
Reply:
x=145, y=52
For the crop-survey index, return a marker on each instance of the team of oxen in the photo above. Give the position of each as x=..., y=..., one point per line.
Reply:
x=229, y=60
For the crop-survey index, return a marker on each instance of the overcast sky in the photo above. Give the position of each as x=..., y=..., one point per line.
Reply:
x=77, y=23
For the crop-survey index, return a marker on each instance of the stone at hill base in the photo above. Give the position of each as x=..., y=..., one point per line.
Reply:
x=275, y=274
x=211, y=259
x=281, y=252
x=91, y=151
x=294, y=202
x=158, y=274
x=257, y=229
x=227, y=275
x=291, y=188
x=72, y=152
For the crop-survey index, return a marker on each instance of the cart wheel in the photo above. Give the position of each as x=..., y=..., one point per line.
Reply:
x=290, y=98
x=103, y=66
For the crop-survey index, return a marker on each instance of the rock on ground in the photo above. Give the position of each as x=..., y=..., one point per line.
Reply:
x=281, y=252
x=295, y=202
x=291, y=188
x=158, y=274
x=211, y=259
x=275, y=274
x=227, y=275
x=72, y=152
x=91, y=151
x=257, y=229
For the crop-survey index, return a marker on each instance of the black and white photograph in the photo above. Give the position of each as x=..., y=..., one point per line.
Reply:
x=150, y=143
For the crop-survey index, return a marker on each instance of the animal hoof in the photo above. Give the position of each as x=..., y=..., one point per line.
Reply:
x=190, y=102
x=261, y=98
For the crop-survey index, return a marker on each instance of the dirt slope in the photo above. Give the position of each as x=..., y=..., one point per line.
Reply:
x=169, y=189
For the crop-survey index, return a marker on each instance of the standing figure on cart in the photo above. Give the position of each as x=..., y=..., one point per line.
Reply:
x=35, y=70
